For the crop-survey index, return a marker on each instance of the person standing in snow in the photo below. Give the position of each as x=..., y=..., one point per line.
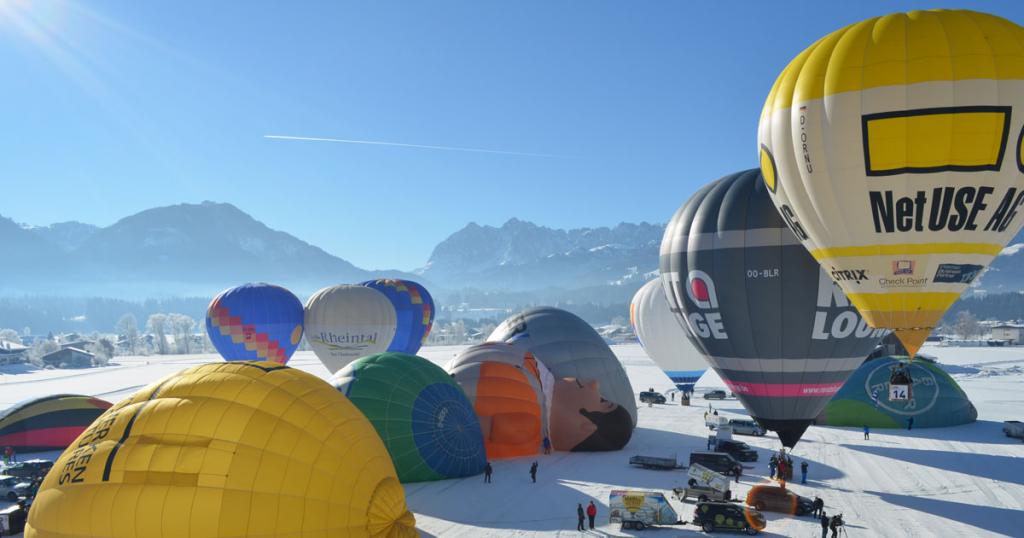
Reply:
x=487, y=473
x=579, y=514
x=867, y=432
x=772, y=464
x=824, y=524
x=547, y=445
x=533, y=472
x=818, y=505
x=591, y=513
x=910, y=423
x=803, y=472
x=738, y=469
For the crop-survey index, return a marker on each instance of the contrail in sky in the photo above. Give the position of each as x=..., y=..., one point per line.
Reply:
x=400, y=145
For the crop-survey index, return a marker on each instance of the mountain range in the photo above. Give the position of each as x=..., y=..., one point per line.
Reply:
x=186, y=249
x=198, y=249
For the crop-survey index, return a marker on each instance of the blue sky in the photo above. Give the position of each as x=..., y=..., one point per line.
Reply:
x=625, y=108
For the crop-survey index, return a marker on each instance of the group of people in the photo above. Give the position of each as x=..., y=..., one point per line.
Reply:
x=488, y=471
x=833, y=524
x=10, y=456
x=590, y=512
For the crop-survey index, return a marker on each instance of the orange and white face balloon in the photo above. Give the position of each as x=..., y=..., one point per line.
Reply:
x=894, y=149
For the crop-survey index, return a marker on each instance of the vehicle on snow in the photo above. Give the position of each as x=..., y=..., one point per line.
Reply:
x=779, y=499
x=742, y=426
x=714, y=395
x=7, y=491
x=719, y=462
x=654, y=462
x=738, y=449
x=638, y=510
x=713, y=516
x=704, y=485
x=29, y=468
x=650, y=396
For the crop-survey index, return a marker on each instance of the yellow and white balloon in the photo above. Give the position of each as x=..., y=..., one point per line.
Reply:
x=893, y=148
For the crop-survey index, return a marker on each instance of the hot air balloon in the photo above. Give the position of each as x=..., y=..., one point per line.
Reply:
x=414, y=311
x=894, y=150
x=255, y=322
x=666, y=340
x=596, y=386
x=423, y=417
x=772, y=324
x=511, y=392
x=225, y=449
x=49, y=422
x=346, y=322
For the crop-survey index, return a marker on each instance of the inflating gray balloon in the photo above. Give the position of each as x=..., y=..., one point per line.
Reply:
x=570, y=347
x=771, y=322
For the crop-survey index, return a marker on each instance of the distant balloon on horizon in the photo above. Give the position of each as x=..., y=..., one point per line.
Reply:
x=255, y=322
x=664, y=338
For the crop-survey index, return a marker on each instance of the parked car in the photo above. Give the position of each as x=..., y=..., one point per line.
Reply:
x=742, y=426
x=7, y=491
x=712, y=516
x=719, y=462
x=779, y=499
x=29, y=468
x=714, y=395
x=27, y=489
x=738, y=449
x=650, y=396
x=654, y=462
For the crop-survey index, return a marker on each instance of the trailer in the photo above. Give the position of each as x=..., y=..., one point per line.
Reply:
x=701, y=494
x=654, y=462
x=1014, y=428
x=640, y=509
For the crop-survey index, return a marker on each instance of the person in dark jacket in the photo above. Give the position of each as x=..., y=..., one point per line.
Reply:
x=579, y=514
x=547, y=445
x=533, y=472
x=487, y=473
x=591, y=513
x=803, y=472
x=738, y=469
x=772, y=464
x=824, y=524
x=818, y=505
x=910, y=423
x=834, y=524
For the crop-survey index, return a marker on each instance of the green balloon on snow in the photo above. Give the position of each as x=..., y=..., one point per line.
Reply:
x=424, y=418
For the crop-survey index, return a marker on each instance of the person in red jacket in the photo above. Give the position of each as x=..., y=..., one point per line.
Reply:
x=591, y=513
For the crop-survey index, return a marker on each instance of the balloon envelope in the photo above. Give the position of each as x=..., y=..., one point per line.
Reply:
x=664, y=338
x=893, y=148
x=49, y=422
x=346, y=322
x=255, y=322
x=773, y=325
x=225, y=449
x=414, y=312
x=423, y=417
x=570, y=348
x=506, y=385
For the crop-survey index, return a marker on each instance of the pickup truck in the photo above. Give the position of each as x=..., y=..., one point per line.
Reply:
x=701, y=493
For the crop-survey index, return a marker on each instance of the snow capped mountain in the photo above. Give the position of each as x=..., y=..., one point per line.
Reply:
x=520, y=255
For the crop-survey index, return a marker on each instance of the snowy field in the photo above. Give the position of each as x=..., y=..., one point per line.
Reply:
x=960, y=481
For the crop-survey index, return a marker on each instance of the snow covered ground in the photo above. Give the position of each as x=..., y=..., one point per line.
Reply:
x=961, y=481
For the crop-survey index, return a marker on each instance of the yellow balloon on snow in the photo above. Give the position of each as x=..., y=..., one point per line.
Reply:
x=893, y=148
x=225, y=449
